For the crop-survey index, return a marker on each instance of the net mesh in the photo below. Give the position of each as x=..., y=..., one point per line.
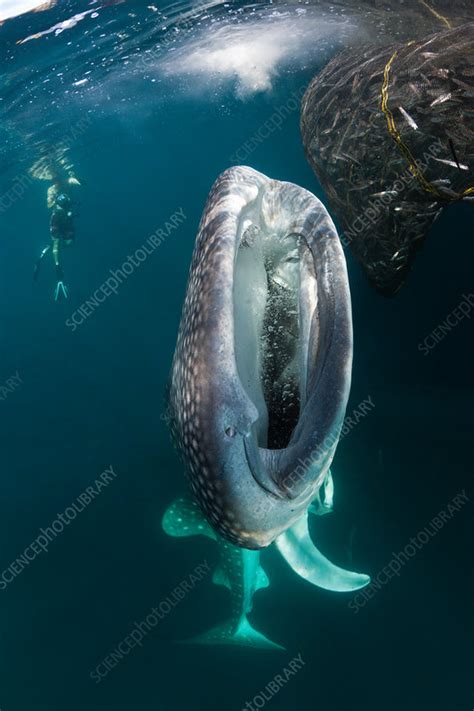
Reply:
x=389, y=132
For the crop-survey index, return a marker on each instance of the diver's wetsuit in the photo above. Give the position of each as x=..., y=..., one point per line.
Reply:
x=62, y=234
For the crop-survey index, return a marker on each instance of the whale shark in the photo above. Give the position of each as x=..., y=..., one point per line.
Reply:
x=259, y=386
x=262, y=367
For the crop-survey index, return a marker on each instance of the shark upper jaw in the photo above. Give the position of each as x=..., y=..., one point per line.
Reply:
x=265, y=385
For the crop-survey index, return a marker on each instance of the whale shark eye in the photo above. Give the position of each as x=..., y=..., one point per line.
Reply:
x=230, y=431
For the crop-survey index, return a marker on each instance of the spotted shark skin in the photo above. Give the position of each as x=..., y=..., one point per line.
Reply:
x=249, y=494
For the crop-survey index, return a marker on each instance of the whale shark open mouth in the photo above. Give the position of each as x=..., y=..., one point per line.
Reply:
x=262, y=367
x=284, y=330
x=274, y=302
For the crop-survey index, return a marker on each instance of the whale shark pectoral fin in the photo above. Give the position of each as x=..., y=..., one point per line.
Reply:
x=244, y=636
x=184, y=518
x=299, y=551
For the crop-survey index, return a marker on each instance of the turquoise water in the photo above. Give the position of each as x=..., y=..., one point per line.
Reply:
x=152, y=141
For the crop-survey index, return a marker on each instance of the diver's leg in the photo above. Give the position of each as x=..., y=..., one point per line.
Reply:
x=38, y=261
x=61, y=288
x=56, y=252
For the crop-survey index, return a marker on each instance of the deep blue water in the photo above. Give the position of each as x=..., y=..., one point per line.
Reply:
x=95, y=397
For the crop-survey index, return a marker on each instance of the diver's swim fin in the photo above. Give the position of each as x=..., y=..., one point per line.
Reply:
x=244, y=636
x=299, y=551
x=61, y=288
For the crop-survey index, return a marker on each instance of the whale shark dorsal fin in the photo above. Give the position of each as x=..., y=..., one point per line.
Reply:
x=184, y=518
x=299, y=551
x=262, y=580
x=219, y=577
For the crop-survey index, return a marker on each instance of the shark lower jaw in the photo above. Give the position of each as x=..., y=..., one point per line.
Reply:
x=262, y=368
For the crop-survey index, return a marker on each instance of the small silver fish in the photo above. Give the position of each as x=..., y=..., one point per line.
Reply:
x=441, y=99
x=451, y=163
x=408, y=118
x=391, y=193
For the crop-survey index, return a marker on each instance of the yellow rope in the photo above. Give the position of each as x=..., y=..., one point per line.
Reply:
x=436, y=14
x=394, y=132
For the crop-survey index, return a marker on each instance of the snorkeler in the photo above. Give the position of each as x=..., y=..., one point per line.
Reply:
x=61, y=230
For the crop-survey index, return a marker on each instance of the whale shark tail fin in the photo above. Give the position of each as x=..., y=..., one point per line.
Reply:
x=301, y=554
x=244, y=635
x=184, y=518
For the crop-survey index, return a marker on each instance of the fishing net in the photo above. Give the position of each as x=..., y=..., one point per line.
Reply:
x=389, y=133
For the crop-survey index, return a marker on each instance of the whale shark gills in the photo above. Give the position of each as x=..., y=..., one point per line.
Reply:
x=240, y=571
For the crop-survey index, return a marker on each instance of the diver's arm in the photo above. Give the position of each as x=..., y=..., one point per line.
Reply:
x=52, y=195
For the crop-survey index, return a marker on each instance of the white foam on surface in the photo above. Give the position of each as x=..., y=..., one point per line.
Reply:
x=253, y=53
x=13, y=8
